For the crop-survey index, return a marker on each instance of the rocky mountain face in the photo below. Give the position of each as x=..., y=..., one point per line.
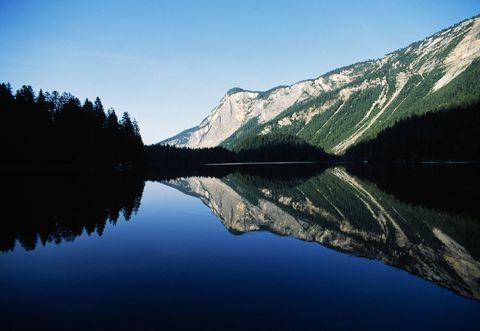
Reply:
x=354, y=103
x=340, y=211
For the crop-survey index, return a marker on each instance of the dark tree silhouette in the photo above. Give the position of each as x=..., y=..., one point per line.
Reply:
x=164, y=160
x=449, y=135
x=58, y=128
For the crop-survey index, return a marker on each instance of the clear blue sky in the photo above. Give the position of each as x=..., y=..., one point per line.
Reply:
x=168, y=63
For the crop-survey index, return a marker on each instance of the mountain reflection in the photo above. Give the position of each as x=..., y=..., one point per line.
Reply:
x=436, y=241
x=55, y=208
x=343, y=212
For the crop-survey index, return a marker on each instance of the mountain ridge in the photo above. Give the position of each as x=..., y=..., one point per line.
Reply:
x=346, y=105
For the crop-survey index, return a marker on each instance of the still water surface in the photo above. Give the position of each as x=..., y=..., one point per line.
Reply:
x=324, y=252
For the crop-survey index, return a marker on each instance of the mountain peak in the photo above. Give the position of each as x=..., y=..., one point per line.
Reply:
x=353, y=103
x=234, y=90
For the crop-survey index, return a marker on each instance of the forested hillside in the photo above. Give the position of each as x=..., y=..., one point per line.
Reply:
x=348, y=105
x=448, y=135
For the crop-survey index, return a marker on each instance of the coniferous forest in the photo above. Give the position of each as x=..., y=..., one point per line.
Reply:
x=54, y=128
x=447, y=135
x=45, y=128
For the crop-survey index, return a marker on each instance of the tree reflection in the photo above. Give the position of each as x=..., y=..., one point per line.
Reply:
x=47, y=207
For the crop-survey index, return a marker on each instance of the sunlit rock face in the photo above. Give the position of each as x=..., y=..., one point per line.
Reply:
x=340, y=211
x=350, y=104
x=238, y=106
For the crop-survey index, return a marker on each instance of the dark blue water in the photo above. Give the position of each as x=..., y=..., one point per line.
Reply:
x=175, y=266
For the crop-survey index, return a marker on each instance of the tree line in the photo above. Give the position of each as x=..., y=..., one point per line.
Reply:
x=447, y=135
x=269, y=148
x=58, y=128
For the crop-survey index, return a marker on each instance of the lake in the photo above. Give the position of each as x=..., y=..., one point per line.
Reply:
x=259, y=248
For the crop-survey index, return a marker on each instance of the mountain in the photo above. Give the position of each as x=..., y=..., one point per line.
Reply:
x=345, y=213
x=352, y=104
